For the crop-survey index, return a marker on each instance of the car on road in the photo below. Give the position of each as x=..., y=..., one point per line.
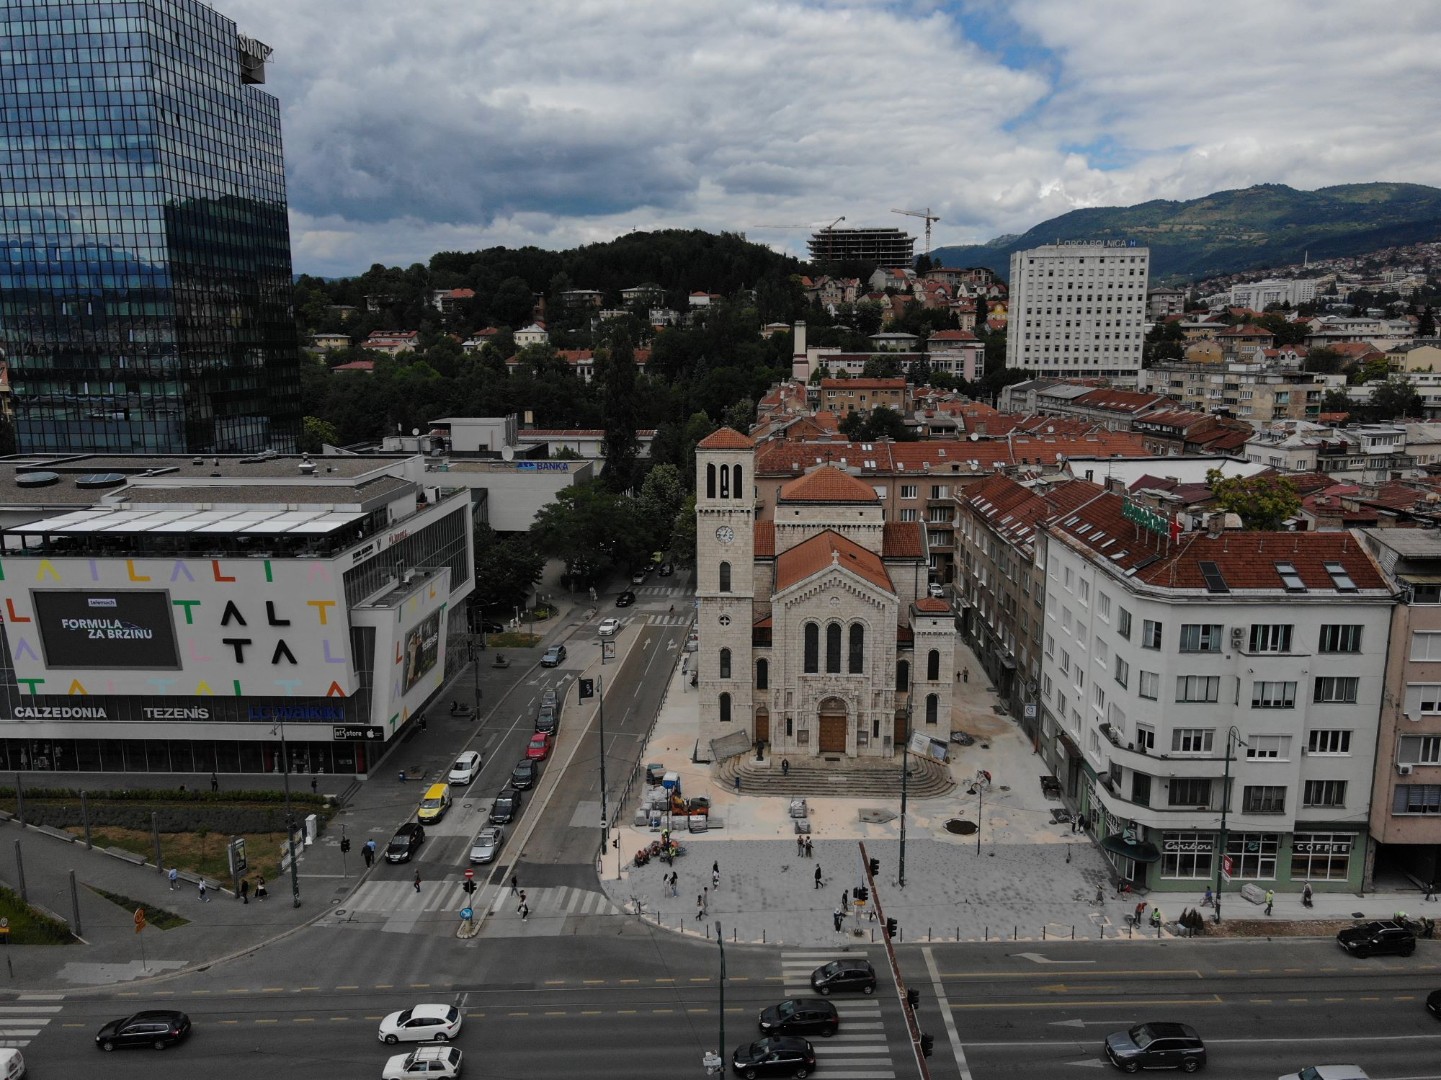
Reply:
x=608, y=627
x=155, y=1027
x=434, y=803
x=1383, y=938
x=550, y=696
x=466, y=768
x=539, y=747
x=666, y=569
x=487, y=844
x=505, y=806
x=525, y=774
x=12, y=1064
x=1156, y=1045
x=783, y=1055
x=638, y=578
x=421, y=1023
x=548, y=719
x=430, y=1062
x=405, y=843
x=800, y=1016
x=1433, y=1004
x=937, y=592
x=1328, y=1072
x=625, y=599
x=844, y=975
x=553, y=657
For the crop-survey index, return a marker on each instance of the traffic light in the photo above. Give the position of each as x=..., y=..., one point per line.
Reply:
x=468, y=886
x=913, y=996
x=344, y=844
x=928, y=1044
x=587, y=688
x=891, y=928
x=862, y=893
x=875, y=867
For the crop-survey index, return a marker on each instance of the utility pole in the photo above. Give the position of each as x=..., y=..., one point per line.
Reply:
x=905, y=776
x=289, y=817
x=604, y=817
x=1232, y=737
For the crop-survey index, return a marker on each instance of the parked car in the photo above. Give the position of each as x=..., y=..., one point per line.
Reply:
x=466, y=767
x=525, y=774
x=800, y=1016
x=430, y=1062
x=539, y=747
x=625, y=599
x=554, y=656
x=505, y=806
x=1328, y=1072
x=491, y=628
x=155, y=1027
x=1156, y=1045
x=783, y=1055
x=487, y=844
x=1384, y=938
x=844, y=975
x=421, y=1023
x=937, y=591
x=405, y=843
x=608, y=627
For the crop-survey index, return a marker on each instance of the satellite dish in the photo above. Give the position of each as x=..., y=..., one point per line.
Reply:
x=507, y=453
x=974, y=436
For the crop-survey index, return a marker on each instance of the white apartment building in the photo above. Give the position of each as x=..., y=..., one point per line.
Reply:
x=1078, y=310
x=1225, y=673
x=1258, y=295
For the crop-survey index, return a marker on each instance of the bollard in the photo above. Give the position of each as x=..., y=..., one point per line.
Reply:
x=928, y=934
x=988, y=934
x=1073, y=933
x=1043, y=932
x=75, y=905
x=1015, y=933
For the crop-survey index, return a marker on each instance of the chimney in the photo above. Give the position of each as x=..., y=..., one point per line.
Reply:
x=1215, y=524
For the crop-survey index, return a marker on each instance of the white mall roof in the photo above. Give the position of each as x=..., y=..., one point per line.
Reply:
x=211, y=522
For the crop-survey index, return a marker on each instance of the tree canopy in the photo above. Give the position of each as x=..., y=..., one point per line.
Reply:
x=1263, y=501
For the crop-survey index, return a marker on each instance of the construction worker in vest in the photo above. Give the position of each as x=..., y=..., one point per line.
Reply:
x=1156, y=917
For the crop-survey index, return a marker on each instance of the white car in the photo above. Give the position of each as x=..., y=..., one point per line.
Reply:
x=428, y=1061
x=1328, y=1072
x=938, y=591
x=421, y=1023
x=608, y=627
x=465, y=768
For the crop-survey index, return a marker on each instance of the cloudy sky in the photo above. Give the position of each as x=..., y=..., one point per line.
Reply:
x=426, y=125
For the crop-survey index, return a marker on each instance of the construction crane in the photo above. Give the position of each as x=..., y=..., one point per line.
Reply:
x=930, y=217
x=809, y=225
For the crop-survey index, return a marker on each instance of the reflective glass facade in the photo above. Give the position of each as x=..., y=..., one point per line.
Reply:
x=145, y=292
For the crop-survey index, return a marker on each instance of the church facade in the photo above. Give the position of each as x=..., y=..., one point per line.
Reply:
x=816, y=634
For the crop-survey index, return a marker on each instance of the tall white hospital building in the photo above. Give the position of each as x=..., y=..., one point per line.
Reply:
x=1078, y=309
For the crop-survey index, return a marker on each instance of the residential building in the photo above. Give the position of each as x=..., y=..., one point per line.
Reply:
x=145, y=277
x=1163, y=302
x=1367, y=453
x=1259, y=295
x=1078, y=310
x=1257, y=393
x=1213, y=676
x=843, y=396
x=884, y=247
x=392, y=342
x=957, y=352
x=1422, y=354
x=448, y=301
x=533, y=334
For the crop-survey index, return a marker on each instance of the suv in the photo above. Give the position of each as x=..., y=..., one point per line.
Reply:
x=783, y=1056
x=1156, y=1046
x=800, y=1016
x=554, y=656
x=844, y=975
x=1387, y=938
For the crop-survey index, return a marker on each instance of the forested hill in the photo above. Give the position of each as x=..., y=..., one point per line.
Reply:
x=1231, y=231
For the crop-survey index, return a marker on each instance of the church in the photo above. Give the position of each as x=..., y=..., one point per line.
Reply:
x=816, y=634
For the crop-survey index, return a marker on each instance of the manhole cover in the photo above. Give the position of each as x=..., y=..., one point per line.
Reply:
x=960, y=827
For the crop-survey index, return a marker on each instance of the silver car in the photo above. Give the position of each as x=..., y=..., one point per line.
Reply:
x=487, y=844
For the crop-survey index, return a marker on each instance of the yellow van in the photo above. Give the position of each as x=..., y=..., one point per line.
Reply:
x=435, y=803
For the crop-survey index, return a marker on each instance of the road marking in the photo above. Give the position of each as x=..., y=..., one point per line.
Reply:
x=991, y=976
x=1037, y=958
x=947, y=1015
x=1215, y=999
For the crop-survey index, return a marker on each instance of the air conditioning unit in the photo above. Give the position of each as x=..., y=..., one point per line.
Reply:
x=1404, y=769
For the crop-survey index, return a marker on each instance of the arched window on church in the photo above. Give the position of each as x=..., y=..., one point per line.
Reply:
x=933, y=704
x=903, y=675
x=812, y=663
x=933, y=665
x=833, y=649
x=763, y=674
x=858, y=649
x=725, y=664
x=725, y=708
x=710, y=481
x=725, y=577
x=736, y=482
x=725, y=478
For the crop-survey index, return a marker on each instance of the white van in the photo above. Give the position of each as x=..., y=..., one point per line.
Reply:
x=12, y=1065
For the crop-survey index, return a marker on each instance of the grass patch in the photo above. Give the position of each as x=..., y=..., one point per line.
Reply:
x=156, y=917
x=204, y=853
x=29, y=926
x=513, y=639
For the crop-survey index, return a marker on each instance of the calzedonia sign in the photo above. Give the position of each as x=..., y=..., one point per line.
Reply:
x=216, y=710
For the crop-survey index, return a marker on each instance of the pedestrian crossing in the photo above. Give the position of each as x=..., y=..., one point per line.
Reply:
x=404, y=906
x=860, y=1049
x=20, y=1023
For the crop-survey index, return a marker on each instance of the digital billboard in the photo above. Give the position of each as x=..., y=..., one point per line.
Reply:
x=84, y=629
x=422, y=649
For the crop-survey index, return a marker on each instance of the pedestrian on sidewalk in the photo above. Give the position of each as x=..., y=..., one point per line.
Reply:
x=214, y=782
x=699, y=908
x=1156, y=919
x=522, y=900
x=705, y=900
x=1209, y=897
x=800, y=844
x=260, y=890
x=1430, y=891
x=200, y=891
x=738, y=783
x=674, y=884
x=839, y=918
x=1270, y=900
x=818, y=877
x=524, y=912
x=1140, y=912
x=810, y=852
x=417, y=881
x=1305, y=894
x=715, y=875
x=965, y=675
x=514, y=885
x=314, y=785
x=174, y=879
x=245, y=890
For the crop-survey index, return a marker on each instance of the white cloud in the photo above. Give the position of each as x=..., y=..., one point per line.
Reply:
x=451, y=124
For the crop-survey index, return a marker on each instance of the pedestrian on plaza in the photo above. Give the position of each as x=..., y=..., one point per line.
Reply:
x=705, y=900
x=245, y=890
x=514, y=885
x=522, y=900
x=174, y=879
x=674, y=888
x=965, y=675
x=260, y=890
x=785, y=766
x=1075, y=823
x=738, y=784
x=839, y=918
x=818, y=877
x=1270, y=900
x=810, y=853
x=214, y=782
x=417, y=881
x=200, y=891
x=715, y=874
x=1430, y=891
x=800, y=844
x=699, y=908
x=524, y=912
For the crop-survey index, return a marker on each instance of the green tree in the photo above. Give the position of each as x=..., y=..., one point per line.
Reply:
x=682, y=535
x=881, y=366
x=1263, y=501
x=590, y=528
x=1323, y=360
x=513, y=302
x=1426, y=325
x=1336, y=401
x=740, y=415
x=506, y=569
x=315, y=433
x=661, y=496
x=1395, y=398
x=615, y=372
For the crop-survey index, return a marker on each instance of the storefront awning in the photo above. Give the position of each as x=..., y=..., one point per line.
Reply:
x=1143, y=852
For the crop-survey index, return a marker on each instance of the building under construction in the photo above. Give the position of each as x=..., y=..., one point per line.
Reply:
x=884, y=247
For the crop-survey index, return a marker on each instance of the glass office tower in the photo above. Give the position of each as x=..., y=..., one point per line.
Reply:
x=145, y=293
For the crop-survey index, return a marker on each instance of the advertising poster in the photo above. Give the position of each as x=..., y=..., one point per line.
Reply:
x=422, y=649
x=121, y=629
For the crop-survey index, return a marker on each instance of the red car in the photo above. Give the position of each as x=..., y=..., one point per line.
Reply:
x=539, y=748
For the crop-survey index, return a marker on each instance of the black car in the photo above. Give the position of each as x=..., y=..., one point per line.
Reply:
x=505, y=807
x=800, y=1016
x=525, y=774
x=782, y=1056
x=1433, y=1004
x=1156, y=1046
x=547, y=719
x=1386, y=938
x=666, y=569
x=405, y=842
x=158, y=1028
x=491, y=628
x=625, y=599
x=844, y=975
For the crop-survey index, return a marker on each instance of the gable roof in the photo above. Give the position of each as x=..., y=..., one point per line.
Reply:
x=828, y=484
x=825, y=549
x=726, y=439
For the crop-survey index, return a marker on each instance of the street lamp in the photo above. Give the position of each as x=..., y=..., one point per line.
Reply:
x=720, y=944
x=1232, y=737
x=905, y=773
x=289, y=816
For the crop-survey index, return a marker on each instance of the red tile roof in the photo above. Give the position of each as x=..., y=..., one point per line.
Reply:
x=932, y=605
x=828, y=484
x=829, y=548
x=726, y=439
x=903, y=540
x=765, y=539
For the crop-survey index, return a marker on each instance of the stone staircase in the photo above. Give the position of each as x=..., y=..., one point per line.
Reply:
x=843, y=778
